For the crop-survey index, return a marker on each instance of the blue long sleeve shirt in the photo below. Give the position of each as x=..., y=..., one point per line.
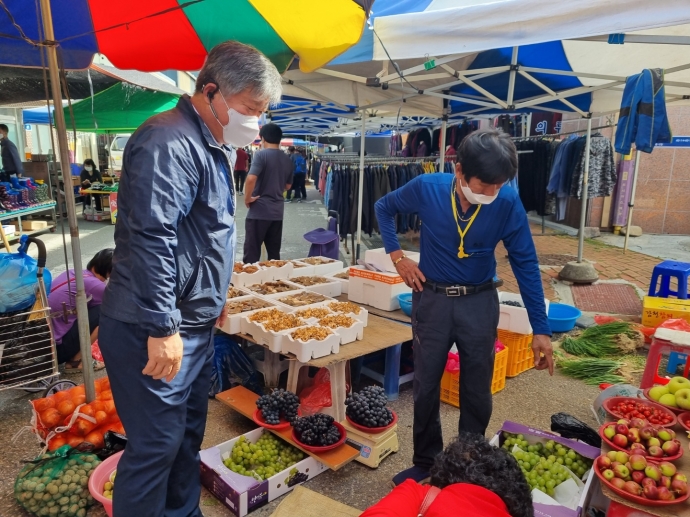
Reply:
x=505, y=220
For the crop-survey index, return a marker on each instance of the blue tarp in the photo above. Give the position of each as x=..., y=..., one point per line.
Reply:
x=37, y=115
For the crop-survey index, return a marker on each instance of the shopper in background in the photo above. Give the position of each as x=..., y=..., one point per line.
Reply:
x=174, y=251
x=455, y=301
x=269, y=177
x=241, y=167
x=11, y=161
x=471, y=476
x=299, y=171
x=90, y=174
x=62, y=305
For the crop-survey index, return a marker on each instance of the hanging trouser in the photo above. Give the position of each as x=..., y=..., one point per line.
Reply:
x=438, y=321
x=158, y=474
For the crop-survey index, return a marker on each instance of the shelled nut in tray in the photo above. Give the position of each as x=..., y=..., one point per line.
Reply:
x=303, y=299
x=242, y=306
x=273, y=287
x=277, y=269
x=349, y=329
x=350, y=309
x=271, y=331
x=311, y=342
x=322, y=265
x=319, y=284
x=247, y=274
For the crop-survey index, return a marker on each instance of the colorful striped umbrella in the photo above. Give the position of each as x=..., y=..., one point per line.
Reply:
x=154, y=35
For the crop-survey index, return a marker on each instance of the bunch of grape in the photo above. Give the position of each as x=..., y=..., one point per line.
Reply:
x=544, y=463
x=316, y=430
x=368, y=407
x=278, y=403
x=262, y=459
x=296, y=477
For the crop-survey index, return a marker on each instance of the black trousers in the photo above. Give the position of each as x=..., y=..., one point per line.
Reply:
x=438, y=321
x=298, y=187
x=258, y=232
x=70, y=341
x=240, y=177
x=98, y=201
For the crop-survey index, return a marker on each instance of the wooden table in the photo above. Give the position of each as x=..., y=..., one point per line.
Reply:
x=389, y=315
x=380, y=334
x=105, y=203
x=244, y=401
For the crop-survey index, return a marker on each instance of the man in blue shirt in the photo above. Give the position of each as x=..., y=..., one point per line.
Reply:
x=464, y=216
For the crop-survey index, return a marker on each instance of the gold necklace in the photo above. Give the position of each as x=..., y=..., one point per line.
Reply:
x=456, y=215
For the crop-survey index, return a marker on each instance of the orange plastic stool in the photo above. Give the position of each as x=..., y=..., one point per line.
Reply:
x=664, y=342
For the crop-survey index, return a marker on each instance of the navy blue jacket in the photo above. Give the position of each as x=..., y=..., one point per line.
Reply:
x=175, y=232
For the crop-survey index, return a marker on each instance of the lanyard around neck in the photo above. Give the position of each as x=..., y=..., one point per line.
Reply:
x=456, y=215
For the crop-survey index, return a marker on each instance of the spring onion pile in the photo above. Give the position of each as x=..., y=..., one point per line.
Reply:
x=599, y=340
x=592, y=371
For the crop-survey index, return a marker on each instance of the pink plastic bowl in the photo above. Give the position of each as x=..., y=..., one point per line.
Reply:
x=100, y=475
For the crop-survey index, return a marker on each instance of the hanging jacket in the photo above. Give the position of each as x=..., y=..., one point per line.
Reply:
x=643, y=118
x=602, y=170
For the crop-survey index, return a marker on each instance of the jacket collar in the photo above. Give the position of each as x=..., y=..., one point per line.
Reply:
x=185, y=105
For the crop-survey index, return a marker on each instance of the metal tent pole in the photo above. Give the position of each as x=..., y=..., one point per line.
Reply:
x=442, y=144
x=360, y=195
x=585, y=188
x=82, y=310
x=631, y=203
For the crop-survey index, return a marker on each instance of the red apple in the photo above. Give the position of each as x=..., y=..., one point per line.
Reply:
x=671, y=448
x=638, y=423
x=614, y=464
x=653, y=472
x=665, y=482
x=610, y=431
x=648, y=481
x=608, y=474
x=638, y=448
x=666, y=435
x=632, y=488
x=603, y=462
x=621, y=471
x=623, y=421
x=667, y=469
x=650, y=491
x=618, y=483
x=620, y=440
x=655, y=452
x=638, y=476
x=665, y=494
x=647, y=432
x=634, y=435
x=679, y=487
x=638, y=462
x=622, y=429
x=681, y=476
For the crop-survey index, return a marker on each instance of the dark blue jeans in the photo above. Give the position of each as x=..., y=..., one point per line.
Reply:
x=438, y=321
x=158, y=474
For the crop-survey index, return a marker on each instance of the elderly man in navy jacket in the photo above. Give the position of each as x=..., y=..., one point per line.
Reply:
x=174, y=251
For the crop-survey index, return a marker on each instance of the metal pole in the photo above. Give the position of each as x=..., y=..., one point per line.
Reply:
x=631, y=203
x=361, y=184
x=511, y=80
x=585, y=187
x=82, y=310
x=442, y=163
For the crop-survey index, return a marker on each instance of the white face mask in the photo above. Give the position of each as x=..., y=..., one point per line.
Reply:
x=88, y=168
x=2, y=136
x=241, y=129
x=477, y=199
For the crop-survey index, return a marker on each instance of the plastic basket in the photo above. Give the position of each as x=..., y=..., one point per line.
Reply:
x=520, y=356
x=450, y=382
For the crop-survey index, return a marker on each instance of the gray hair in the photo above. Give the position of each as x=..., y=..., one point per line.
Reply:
x=236, y=67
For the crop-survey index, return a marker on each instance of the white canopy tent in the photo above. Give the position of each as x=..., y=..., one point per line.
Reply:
x=508, y=56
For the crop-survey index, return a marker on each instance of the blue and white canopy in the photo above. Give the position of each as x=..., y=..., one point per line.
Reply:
x=490, y=56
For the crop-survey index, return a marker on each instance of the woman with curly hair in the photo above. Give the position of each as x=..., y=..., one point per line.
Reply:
x=471, y=478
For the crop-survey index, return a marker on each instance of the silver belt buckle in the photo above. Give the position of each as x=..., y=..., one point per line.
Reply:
x=459, y=290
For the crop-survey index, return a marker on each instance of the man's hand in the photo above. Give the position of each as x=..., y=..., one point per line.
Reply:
x=223, y=317
x=165, y=357
x=248, y=200
x=543, y=353
x=408, y=269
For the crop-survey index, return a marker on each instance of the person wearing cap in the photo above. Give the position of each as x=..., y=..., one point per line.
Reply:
x=464, y=217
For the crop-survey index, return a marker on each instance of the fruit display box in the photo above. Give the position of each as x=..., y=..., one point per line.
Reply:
x=382, y=261
x=233, y=323
x=379, y=290
x=514, y=319
x=243, y=494
x=534, y=436
x=331, y=266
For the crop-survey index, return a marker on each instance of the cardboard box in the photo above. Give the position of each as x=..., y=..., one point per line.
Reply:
x=9, y=229
x=31, y=225
x=242, y=494
x=512, y=318
x=533, y=436
x=657, y=310
x=379, y=290
x=382, y=261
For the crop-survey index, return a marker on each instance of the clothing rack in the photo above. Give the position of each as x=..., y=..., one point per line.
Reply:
x=553, y=135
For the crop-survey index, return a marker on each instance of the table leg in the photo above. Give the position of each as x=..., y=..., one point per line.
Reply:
x=337, y=409
x=272, y=369
x=391, y=373
x=293, y=376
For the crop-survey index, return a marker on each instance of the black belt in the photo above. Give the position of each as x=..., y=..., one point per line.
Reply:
x=461, y=290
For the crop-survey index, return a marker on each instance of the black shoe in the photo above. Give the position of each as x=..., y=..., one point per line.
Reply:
x=417, y=474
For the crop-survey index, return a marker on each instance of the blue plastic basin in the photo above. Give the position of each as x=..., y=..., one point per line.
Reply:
x=405, y=300
x=562, y=317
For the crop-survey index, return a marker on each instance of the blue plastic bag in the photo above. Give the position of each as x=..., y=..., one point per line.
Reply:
x=232, y=367
x=18, y=282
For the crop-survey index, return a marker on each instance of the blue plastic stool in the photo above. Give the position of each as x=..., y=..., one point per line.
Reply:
x=675, y=359
x=662, y=275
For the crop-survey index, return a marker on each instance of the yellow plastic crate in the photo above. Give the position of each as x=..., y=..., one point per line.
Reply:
x=450, y=382
x=520, y=356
